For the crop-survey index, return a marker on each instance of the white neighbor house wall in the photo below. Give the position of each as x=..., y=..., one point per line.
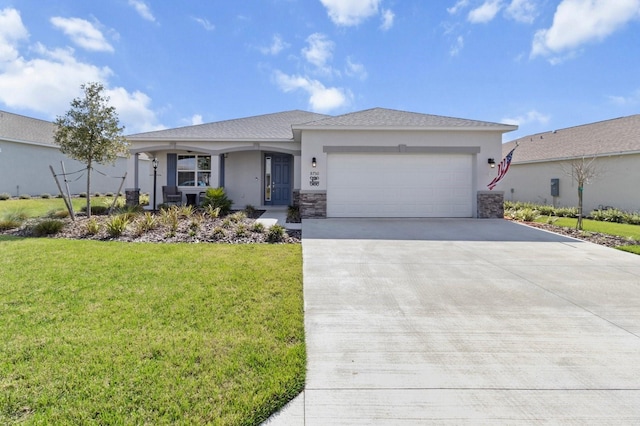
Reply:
x=24, y=169
x=314, y=141
x=618, y=184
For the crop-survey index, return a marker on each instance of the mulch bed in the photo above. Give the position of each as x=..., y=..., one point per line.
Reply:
x=194, y=229
x=592, y=237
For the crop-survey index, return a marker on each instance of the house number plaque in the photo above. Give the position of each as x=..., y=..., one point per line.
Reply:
x=314, y=179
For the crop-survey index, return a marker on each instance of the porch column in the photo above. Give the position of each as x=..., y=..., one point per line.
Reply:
x=214, y=180
x=136, y=182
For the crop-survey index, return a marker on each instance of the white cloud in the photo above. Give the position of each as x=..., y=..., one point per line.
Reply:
x=354, y=69
x=577, y=22
x=83, y=33
x=319, y=51
x=277, y=45
x=387, y=20
x=205, y=23
x=196, y=119
x=321, y=98
x=143, y=9
x=630, y=100
x=134, y=110
x=457, y=47
x=11, y=31
x=524, y=11
x=350, y=12
x=485, y=12
x=532, y=116
x=460, y=4
x=48, y=81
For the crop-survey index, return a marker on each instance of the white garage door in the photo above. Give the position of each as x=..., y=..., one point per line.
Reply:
x=399, y=185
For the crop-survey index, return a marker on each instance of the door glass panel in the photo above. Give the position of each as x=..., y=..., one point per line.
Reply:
x=267, y=178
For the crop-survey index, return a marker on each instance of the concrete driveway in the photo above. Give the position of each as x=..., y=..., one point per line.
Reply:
x=465, y=321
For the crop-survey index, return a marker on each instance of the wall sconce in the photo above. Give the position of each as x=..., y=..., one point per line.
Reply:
x=313, y=162
x=492, y=162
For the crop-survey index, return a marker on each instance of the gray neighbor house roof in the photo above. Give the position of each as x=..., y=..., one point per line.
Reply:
x=18, y=128
x=284, y=125
x=604, y=138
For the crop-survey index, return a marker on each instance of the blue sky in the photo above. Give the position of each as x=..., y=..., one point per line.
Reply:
x=541, y=64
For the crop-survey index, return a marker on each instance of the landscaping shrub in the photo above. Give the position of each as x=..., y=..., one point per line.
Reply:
x=213, y=212
x=47, y=227
x=98, y=210
x=250, y=210
x=241, y=230
x=566, y=212
x=116, y=225
x=257, y=227
x=25, y=197
x=526, y=214
x=58, y=214
x=45, y=195
x=82, y=195
x=216, y=197
x=92, y=227
x=5, y=196
x=218, y=233
x=276, y=234
x=9, y=223
x=238, y=217
x=293, y=214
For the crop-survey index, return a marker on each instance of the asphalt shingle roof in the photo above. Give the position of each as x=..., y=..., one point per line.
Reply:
x=19, y=128
x=615, y=136
x=269, y=126
x=390, y=118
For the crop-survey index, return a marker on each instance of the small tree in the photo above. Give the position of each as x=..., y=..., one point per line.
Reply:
x=583, y=170
x=90, y=132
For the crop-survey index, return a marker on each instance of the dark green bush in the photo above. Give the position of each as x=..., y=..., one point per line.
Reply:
x=25, y=197
x=45, y=195
x=4, y=196
x=47, y=227
x=9, y=223
x=98, y=210
x=217, y=198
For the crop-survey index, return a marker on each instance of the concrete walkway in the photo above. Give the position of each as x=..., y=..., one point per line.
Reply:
x=465, y=321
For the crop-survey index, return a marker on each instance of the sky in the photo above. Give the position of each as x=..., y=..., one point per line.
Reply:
x=540, y=64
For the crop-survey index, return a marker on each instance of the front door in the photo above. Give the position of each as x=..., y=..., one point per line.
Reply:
x=277, y=179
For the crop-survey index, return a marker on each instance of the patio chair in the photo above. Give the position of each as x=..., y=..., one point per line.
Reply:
x=171, y=195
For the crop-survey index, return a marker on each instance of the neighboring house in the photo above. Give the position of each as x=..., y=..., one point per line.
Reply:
x=372, y=163
x=539, y=158
x=26, y=152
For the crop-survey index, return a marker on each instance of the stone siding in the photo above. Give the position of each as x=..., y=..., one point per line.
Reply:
x=490, y=204
x=313, y=205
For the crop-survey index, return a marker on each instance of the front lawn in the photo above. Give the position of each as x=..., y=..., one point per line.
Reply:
x=39, y=207
x=133, y=333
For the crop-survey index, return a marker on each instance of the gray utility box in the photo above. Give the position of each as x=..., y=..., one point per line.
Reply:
x=555, y=187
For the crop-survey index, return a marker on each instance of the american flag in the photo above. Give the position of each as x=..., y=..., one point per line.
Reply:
x=503, y=167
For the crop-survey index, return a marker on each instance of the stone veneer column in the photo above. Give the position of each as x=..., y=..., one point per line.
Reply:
x=313, y=204
x=490, y=204
x=296, y=198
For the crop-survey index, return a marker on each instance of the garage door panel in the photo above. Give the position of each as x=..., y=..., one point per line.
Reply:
x=399, y=185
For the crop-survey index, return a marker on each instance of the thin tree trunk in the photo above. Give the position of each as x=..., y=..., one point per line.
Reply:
x=579, y=223
x=89, y=189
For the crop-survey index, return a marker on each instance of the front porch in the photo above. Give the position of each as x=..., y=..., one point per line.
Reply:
x=251, y=177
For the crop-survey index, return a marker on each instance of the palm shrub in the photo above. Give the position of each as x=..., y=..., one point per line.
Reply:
x=212, y=212
x=145, y=223
x=257, y=227
x=217, y=198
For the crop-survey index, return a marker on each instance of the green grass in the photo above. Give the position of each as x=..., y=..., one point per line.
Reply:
x=124, y=333
x=38, y=207
x=631, y=249
x=618, y=229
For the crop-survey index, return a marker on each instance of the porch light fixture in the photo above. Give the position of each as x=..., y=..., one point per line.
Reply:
x=313, y=162
x=154, y=163
x=492, y=162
